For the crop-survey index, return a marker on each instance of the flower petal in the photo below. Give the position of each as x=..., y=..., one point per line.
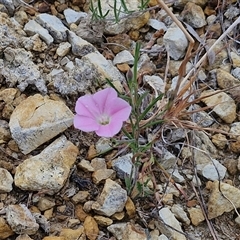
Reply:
x=86, y=106
x=110, y=129
x=119, y=109
x=86, y=124
x=104, y=97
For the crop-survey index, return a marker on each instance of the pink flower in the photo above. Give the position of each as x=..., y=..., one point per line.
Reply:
x=102, y=112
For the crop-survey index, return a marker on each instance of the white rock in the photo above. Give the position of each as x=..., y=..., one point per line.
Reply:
x=235, y=129
x=157, y=25
x=112, y=199
x=117, y=230
x=213, y=170
x=69, y=66
x=176, y=175
x=21, y=219
x=175, y=42
x=48, y=170
x=104, y=67
x=72, y=16
x=179, y=213
x=63, y=49
x=38, y=119
x=6, y=181
x=54, y=25
x=236, y=73
x=223, y=105
x=155, y=82
x=168, y=218
x=32, y=28
x=123, y=57
x=80, y=47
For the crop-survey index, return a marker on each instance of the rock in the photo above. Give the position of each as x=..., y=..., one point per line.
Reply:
x=23, y=237
x=202, y=118
x=72, y=234
x=179, y=213
x=42, y=221
x=5, y=230
x=9, y=5
x=175, y=42
x=53, y=238
x=177, y=177
x=4, y=131
x=193, y=15
x=213, y=170
x=123, y=57
x=54, y=25
x=232, y=12
x=235, y=130
x=112, y=199
x=32, y=28
x=72, y=16
x=91, y=228
x=6, y=181
x=167, y=160
x=126, y=23
x=98, y=163
x=231, y=165
x=196, y=216
x=130, y=208
x=219, y=140
x=7, y=95
x=123, y=165
x=80, y=213
x=182, y=3
x=80, y=47
x=175, y=65
x=80, y=197
x=103, y=221
x=126, y=231
x=218, y=204
x=168, y=219
x=18, y=68
x=103, y=144
x=38, y=119
x=34, y=43
x=63, y=49
x=21, y=220
x=218, y=54
x=157, y=25
x=236, y=73
x=21, y=17
x=85, y=165
x=104, y=68
x=155, y=82
x=222, y=104
x=45, y=204
x=102, y=174
x=48, y=170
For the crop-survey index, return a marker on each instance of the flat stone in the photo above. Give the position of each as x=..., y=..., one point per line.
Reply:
x=85, y=165
x=63, y=49
x=155, y=82
x=194, y=15
x=21, y=220
x=103, y=221
x=223, y=105
x=32, y=28
x=196, y=216
x=48, y=170
x=80, y=47
x=123, y=165
x=100, y=175
x=218, y=204
x=180, y=214
x=112, y=199
x=80, y=197
x=72, y=234
x=72, y=16
x=117, y=230
x=6, y=181
x=98, y=163
x=175, y=42
x=54, y=26
x=38, y=119
x=5, y=230
x=123, y=57
x=168, y=219
x=45, y=204
x=104, y=67
x=91, y=228
x=157, y=25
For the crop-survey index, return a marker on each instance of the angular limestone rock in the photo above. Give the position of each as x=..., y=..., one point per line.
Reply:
x=38, y=119
x=48, y=170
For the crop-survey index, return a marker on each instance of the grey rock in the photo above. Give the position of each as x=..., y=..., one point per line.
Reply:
x=9, y=5
x=194, y=15
x=48, y=170
x=112, y=199
x=54, y=25
x=21, y=219
x=4, y=131
x=157, y=25
x=175, y=42
x=236, y=73
x=103, y=144
x=168, y=219
x=117, y=230
x=19, y=69
x=36, y=120
x=180, y=214
x=72, y=16
x=123, y=166
x=80, y=47
x=155, y=82
x=232, y=12
x=32, y=27
x=202, y=118
x=6, y=181
x=167, y=159
x=123, y=57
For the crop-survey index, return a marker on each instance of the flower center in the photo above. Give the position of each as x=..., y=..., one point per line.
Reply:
x=103, y=119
